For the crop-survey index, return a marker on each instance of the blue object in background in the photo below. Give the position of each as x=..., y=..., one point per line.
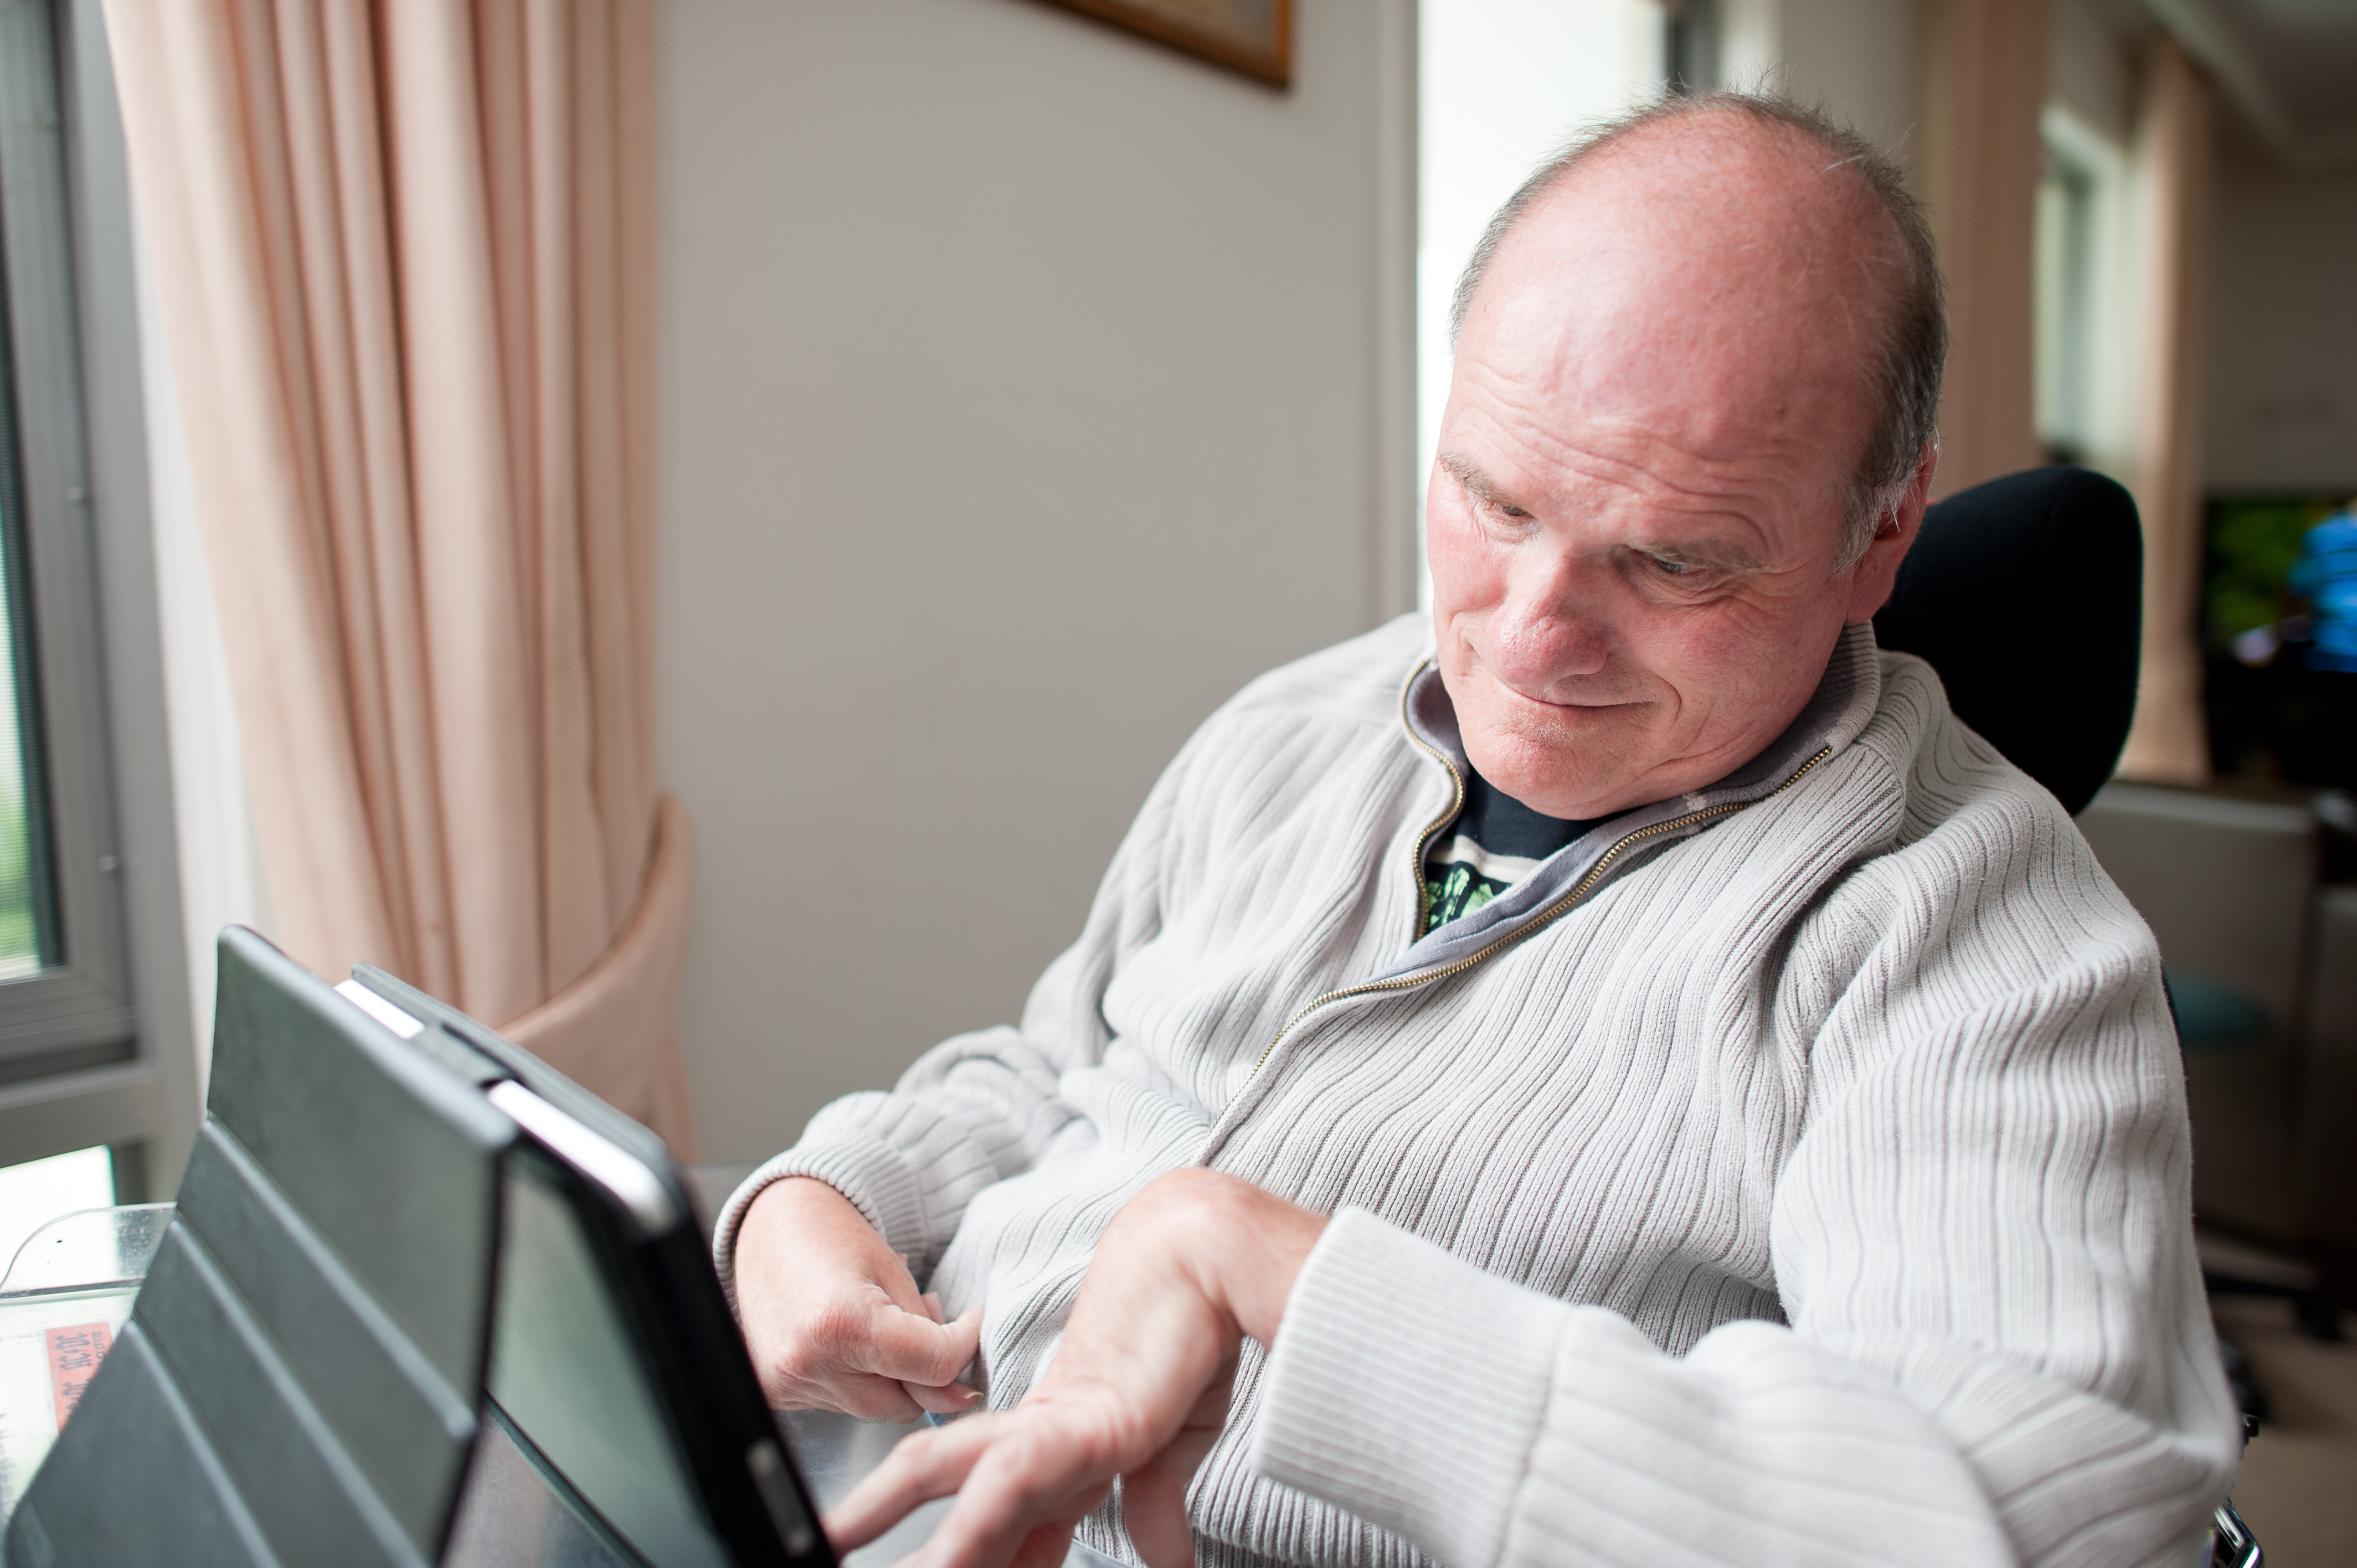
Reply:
x=2326, y=576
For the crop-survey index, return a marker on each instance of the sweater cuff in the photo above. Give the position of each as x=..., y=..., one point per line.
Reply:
x=1357, y=1411
x=870, y=1175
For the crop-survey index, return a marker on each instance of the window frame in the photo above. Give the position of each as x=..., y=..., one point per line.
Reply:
x=73, y=1072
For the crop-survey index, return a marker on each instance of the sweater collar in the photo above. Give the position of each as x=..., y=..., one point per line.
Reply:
x=1836, y=713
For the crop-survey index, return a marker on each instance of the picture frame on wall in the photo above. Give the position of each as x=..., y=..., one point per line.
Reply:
x=1253, y=37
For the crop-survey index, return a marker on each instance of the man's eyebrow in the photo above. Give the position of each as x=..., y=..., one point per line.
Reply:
x=1478, y=485
x=1725, y=554
x=1728, y=554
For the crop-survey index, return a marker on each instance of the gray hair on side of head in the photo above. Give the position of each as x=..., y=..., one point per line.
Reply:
x=1914, y=348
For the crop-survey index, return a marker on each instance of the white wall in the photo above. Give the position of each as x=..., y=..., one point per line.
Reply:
x=1855, y=58
x=1026, y=388
x=2092, y=68
x=2283, y=329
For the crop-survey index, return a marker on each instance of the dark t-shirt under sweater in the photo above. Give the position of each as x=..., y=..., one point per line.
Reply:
x=1495, y=842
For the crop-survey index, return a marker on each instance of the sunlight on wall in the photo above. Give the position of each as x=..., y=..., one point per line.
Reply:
x=1502, y=84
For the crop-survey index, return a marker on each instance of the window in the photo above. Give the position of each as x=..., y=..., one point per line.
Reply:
x=1503, y=84
x=2080, y=295
x=2063, y=279
x=72, y=1071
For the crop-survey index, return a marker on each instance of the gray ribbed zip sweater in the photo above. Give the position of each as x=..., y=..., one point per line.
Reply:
x=1806, y=1179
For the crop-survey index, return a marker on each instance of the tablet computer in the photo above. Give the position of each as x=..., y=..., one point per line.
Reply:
x=624, y=1423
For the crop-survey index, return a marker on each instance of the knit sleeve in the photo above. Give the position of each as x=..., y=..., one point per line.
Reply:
x=1996, y=1347
x=1492, y=1426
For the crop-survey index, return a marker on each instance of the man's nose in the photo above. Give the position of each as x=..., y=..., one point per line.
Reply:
x=1550, y=628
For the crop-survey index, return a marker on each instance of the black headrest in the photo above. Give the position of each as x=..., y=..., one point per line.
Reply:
x=2027, y=595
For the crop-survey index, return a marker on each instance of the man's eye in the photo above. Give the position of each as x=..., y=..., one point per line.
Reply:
x=1669, y=567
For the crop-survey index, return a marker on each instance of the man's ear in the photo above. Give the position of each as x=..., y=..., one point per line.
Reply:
x=1877, y=571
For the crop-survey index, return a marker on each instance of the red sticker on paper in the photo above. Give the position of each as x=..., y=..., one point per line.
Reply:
x=74, y=1355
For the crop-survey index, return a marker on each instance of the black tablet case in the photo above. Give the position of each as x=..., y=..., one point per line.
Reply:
x=724, y=1431
x=301, y=1377
x=305, y=1370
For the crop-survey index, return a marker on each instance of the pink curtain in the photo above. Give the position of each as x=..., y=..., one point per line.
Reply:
x=1987, y=81
x=2176, y=146
x=403, y=256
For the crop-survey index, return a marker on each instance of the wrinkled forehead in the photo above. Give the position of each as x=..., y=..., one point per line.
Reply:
x=1723, y=278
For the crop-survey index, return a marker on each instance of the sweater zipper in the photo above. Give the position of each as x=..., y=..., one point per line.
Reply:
x=1543, y=918
x=1415, y=851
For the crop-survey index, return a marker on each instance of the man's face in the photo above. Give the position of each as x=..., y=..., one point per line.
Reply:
x=1657, y=410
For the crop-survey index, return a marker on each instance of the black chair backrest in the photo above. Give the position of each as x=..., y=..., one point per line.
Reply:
x=2027, y=595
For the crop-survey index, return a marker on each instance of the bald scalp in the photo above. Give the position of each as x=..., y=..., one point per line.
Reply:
x=1797, y=227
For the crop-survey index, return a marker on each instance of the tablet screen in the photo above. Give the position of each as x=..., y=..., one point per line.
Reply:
x=567, y=1374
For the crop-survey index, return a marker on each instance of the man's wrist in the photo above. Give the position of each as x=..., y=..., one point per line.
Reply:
x=785, y=1201
x=1243, y=1246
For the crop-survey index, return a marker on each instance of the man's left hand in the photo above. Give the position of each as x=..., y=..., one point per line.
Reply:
x=1138, y=1388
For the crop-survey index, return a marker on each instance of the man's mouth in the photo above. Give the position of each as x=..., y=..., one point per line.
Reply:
x=1588, y=703
x=1583, y=704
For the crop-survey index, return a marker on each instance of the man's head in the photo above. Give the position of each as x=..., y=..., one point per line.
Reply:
x=1689, y=438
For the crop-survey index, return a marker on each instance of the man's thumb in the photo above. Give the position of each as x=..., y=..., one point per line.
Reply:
x=915, y=1349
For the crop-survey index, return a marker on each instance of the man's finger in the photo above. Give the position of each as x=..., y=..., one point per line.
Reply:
x=949, y=1399
x=919, y=1468
x=1045, y=1547
x=869, y=1399
x=913, y=1349
x=1031, y=1477
x=1154, y=1501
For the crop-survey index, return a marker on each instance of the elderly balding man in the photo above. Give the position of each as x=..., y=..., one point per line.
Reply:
x=1616, y=1072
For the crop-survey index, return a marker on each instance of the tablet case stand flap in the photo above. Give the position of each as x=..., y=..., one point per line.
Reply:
x=302, y=1376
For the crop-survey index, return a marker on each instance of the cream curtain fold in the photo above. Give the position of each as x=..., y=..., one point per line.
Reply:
x=1985, y=89
x=403, y=266
x=2176, y=150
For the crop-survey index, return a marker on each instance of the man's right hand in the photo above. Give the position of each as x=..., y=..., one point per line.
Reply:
x=832, y=1316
